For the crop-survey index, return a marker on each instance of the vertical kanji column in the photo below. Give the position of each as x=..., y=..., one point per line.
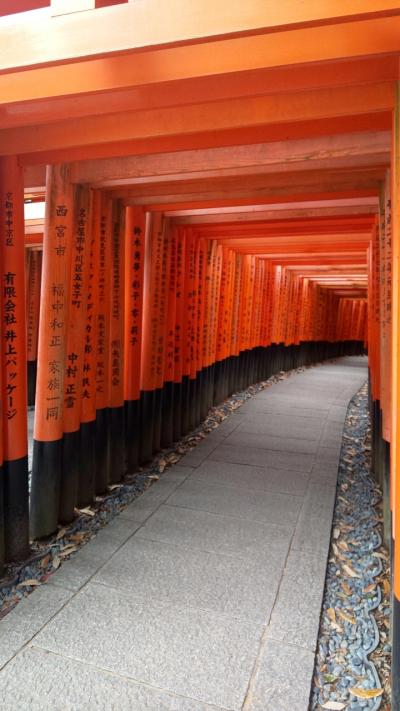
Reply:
x=150, y=398
x=188, y=385
x=163, y=273
x=87, y=479
x=135, y=225
x=116, y=366
x=48, y=429
x=178, y=332
x=32, y=317
x=14, y=482
x=73, y=363
x=102, y=214
x=167, y=434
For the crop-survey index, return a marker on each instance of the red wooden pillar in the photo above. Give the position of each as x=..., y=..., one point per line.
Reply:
x=73, y=364
x=87, y=479
x=178, y=332
x=162, y=279
x=151, y=292
x=14, y=481
x=167, y=431
x=102, y=214
x=135, y=225
x=48, y=431
x=395, y=387
x=116, y=366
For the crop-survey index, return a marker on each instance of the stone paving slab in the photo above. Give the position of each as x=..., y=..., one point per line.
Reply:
x=142, y=507
x=38, y=680
x=271, y=442
x=260, y=506
x=251, y=478
x=185, y=651
x=295, y=617
x=282, y=426
x=205, y=593
x=263, y=457
x=280, y=408
x=30, y=615
x=230, y=585
x=282, y=679
x=205, y=531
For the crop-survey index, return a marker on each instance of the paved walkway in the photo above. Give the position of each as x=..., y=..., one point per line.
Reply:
x=205, y=593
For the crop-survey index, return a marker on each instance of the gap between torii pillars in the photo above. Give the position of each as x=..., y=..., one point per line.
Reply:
x=14, y=519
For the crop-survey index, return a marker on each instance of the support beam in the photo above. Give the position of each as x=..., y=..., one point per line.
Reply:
x=345, y=150
x=211, y=116
x=283, y=33
x=380, y=121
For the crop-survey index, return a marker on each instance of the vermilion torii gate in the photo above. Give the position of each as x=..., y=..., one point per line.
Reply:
x=221, y=189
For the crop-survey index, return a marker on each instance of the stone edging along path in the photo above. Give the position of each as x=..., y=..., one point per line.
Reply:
x=353, y=655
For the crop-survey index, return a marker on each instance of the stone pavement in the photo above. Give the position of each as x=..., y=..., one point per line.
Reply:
x=205, y=593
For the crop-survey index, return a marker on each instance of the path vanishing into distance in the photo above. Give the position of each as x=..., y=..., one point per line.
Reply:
x=204, y=593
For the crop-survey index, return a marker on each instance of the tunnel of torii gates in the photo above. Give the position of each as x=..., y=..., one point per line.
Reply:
x=217, y=197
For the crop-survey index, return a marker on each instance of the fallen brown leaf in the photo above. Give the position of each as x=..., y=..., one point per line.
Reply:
x=29, y=583
x=365, y=693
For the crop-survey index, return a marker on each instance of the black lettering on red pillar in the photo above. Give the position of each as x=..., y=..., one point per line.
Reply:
x=14, y=483
x=48, y=429
x=87, y=483
x=102, y=212
x=134, y=273
x=116, y=394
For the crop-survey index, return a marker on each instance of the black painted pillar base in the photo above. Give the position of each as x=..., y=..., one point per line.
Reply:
x=192, y=403
x=387, y=522
x=210, y=387
x=69, y=476
x=204, y=393
x=396, y=654
x=32, y=369
x=16, y=509
x=102, y=450
x=2, y=538
x=132, y=429
x=185, y=405
x=167, y=418
x=146, y=426
x=45, y=492
x=157, y=417
x=199, y=389
x=117, y=444
x=87, y=474
x=177, y=412
x=217, y=382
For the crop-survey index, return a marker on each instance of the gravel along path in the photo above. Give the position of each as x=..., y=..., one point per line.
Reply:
x=353, y=658
x=48, y=555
